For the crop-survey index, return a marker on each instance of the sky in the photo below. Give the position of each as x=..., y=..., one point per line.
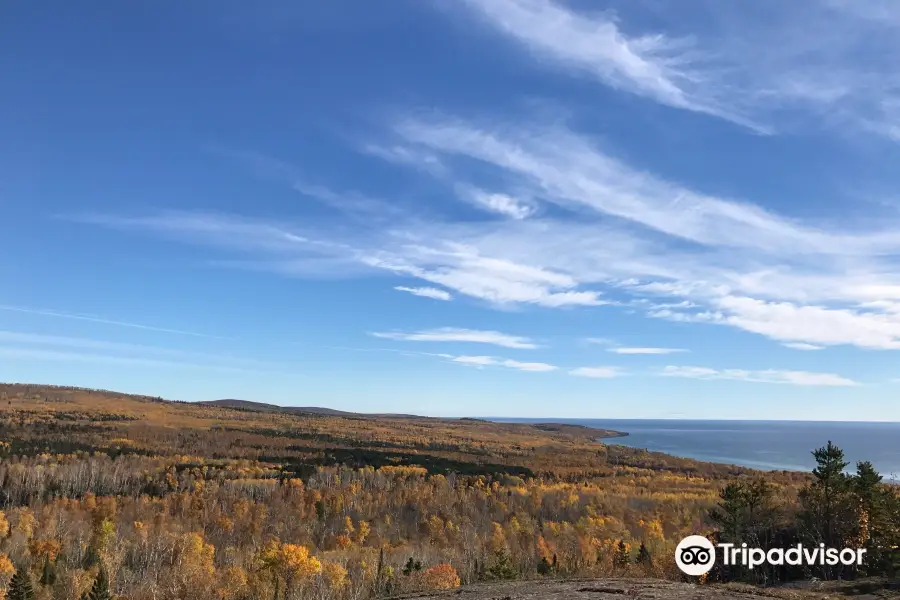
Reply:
x=520, y=208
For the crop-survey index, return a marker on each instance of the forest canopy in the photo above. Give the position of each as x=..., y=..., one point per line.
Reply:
x=105, y=494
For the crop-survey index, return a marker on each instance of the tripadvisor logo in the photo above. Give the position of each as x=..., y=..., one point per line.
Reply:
x=696, y=555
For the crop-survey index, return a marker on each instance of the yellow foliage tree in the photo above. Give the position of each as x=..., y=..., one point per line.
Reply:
x=289, y=564
x=25, y=522
x=196, y=556
x=6, y=567
x=232, y=583
x=362, y=532
x=335, y=576
x=498, y=538
x=296, y=561
x=44, y=549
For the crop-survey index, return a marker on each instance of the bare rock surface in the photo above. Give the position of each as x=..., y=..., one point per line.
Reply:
x=608, y=589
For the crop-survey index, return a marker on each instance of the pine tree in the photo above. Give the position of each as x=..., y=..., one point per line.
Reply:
x=730, y=515
x=48, y=572
x=409, y=567
x=877, y=522
x=380, y=568
x=822, y=499
x=320, y=510
x=100, y=589
x=503, y=567
x=544, y=567
x=20, y=587
x=621, y=559
x=643, y=556
x=829, y=509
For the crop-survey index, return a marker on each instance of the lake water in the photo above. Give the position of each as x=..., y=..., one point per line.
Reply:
x=768, y=445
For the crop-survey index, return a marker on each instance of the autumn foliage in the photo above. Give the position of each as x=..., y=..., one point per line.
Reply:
x=179, y=501
x=441, y=577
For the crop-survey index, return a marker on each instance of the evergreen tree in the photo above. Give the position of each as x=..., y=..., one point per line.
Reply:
x=379, y=570
x=829, y=509
x=621, y=558
x=412, y=566
x=730, y=515
x=20, y=587
x=544, y=567
x=320, y=510
x=643, y=557
x=503, y=567
x=48, y=572
x=100, y=589
x=822, y=499
x=877, y=525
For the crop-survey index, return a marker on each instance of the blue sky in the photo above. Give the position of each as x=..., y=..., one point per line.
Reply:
x=478, y=207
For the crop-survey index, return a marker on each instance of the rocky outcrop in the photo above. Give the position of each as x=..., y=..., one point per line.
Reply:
x=611, y=589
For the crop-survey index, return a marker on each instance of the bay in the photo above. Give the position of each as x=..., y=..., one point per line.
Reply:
x=766, y=445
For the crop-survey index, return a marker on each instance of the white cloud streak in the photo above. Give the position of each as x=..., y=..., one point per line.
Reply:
x=93, y=319
x=646, y=350
x=801, y=378
x=490, y=361
x=499, y=203
x=688, y=256
x=31, y=346
x=567, y=169
x=597, y=372
x=426, y=292
x=832, y=60
x=452, y=334
x=802, y=346
x=652, y=66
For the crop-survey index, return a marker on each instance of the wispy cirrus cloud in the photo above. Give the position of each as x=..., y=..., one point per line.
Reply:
x=34, y=346
x=351, y=203
x=654, y=65
x=462, y=267
x=802, y=346
x=806, y=327
x=477, y=361
x=616, y=348
x=490, y=361
x=624, y=238
x=426, y=292
x=841, y=78
x=498, y=202
x=44, y=312
x=802, y=378
x=453, y=334
x=567, y=169
x=645, y=350
x=597, y=372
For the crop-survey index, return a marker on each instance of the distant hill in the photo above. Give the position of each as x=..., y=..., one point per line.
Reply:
x=47, y=419
x=300, y=410
x=264, y=407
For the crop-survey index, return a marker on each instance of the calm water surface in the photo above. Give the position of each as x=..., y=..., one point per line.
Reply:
x=769, y=445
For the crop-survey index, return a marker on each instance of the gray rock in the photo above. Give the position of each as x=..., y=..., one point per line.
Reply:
x=603, y=589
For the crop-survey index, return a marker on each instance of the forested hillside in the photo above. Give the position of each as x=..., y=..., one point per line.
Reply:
x=142, y=498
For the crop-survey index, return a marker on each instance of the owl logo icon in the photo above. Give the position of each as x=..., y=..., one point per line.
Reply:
x=695, y=555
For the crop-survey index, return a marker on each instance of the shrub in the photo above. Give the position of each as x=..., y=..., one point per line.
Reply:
x=441, y=577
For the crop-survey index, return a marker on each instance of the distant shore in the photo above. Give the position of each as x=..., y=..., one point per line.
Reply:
x=597, y=433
